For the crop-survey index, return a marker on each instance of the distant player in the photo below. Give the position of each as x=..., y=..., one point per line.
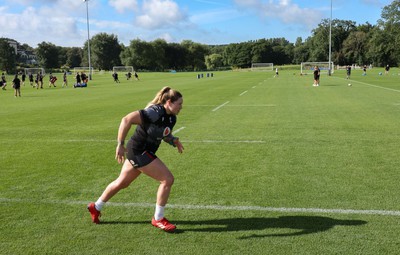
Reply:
x=276, y=72
x=115, y=76
x=41, y=79
x=84, y=78
x=52, y=80
x=3, y=81
x=30, y=77
x=78, y=79
x=348, y=72
x=317, y=72
x=17, y=86
x=128, y=76
x=136, y=76
x=387, y=68
x=65, y=80
x=37, y=81
x=364, y=70
x=23, y=77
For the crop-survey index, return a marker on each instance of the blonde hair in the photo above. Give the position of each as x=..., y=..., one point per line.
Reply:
x=164, y=95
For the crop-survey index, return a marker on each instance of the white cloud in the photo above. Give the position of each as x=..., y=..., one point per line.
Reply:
x=124, y=5
x=160, y=14
x=283, y=10
x=35, y=25
x=167, y=37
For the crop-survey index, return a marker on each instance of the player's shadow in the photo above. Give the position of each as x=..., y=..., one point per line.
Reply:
x=287, y=225
x=295, y=225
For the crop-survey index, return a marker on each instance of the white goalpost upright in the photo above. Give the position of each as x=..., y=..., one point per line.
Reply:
x=308, y=67
x=262, y=66
x=34, y=71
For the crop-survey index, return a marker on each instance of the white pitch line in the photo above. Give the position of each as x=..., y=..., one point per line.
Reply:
x=233, y=105
x=222, y=141
x=179, y=129
x=371, y=85
x=113, y=141
x=222, y=105
x=256, y=105
x=244, y=92
x=215, y=207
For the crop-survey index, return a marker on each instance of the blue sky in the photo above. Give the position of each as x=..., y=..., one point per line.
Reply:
x=63, y=22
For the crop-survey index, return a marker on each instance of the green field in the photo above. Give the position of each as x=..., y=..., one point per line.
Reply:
x=271, y=166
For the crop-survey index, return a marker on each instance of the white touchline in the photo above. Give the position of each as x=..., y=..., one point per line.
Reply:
x=179, y=129
x=222, y=105
x=244, y=92
x=214, y=207
x=222, y=141
x=113, y=141
x=371, y=85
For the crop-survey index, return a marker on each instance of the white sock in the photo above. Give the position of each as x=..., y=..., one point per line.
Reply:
x=159, y=213
x=99, y=204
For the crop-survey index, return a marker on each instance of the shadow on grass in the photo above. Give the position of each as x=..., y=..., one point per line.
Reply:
x=296, y=225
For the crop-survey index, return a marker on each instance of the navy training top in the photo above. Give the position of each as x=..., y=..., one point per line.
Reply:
x=156, y=124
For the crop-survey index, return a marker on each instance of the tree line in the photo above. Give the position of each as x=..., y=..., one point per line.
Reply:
x=351, y=44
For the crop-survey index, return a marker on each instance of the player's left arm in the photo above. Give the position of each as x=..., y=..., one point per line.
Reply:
x=174, y=141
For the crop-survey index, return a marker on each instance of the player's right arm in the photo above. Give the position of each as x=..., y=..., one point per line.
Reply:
x=132, y=118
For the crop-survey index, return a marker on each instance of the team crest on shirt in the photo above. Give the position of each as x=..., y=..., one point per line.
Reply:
x=167, y=131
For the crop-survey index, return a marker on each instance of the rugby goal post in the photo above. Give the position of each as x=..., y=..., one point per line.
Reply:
x=125, y=69
x=262, y=66
x=34, y=71
x=308, y=67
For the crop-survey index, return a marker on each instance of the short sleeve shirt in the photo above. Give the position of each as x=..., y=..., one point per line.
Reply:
x=156, y=124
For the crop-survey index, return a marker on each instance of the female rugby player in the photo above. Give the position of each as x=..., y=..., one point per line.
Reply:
x=154, y=123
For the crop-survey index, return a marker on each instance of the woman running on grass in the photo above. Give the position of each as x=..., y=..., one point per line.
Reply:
x=154, y=123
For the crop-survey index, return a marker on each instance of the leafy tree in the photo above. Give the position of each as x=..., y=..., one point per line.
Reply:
x=62, y=59
x=74, y=57
x=139, y=54
x=391, y=13
x=386, y=39
x=214, y=61
x=319, y=42
x=196, y=53
x=105, y=51
x=176, y=55
x=238, y=55
x=300, y=51
x=261, y=51
x=354, y=48
x=48, y=55
x=159, y=48
x=216, y=49
x=7, y=56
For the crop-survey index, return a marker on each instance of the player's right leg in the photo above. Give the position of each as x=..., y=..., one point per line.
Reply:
x=127, y=176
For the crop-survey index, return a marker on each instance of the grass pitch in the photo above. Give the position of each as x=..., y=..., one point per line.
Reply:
x=271, y=166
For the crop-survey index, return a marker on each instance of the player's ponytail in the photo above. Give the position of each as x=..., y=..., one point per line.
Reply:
x=164, y=95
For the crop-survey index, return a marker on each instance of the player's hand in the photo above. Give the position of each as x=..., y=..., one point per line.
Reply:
x=120, y=153
x=178, y=145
